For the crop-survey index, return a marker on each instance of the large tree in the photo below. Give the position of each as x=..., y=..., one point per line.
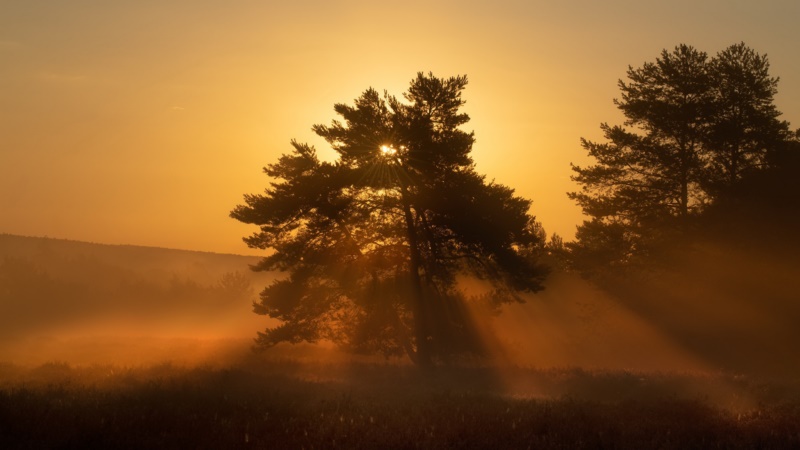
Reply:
x=694, y=126
x=376, y=241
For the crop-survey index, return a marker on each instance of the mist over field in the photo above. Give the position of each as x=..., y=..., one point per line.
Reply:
x=713, y=308
x=717, y=310
x=701, y=349
x=83, y=303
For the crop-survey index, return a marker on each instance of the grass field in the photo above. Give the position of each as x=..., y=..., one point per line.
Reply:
x=283, y=402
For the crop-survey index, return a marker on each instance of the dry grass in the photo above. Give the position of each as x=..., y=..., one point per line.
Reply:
x=287, y=403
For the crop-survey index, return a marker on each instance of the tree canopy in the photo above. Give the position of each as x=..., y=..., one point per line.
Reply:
x=376, y=241
x=695, y=128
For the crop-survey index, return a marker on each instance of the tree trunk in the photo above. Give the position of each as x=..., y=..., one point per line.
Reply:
x=683, y=211
x=421, y=334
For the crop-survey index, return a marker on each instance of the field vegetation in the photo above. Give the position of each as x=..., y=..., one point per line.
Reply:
x=308, y=399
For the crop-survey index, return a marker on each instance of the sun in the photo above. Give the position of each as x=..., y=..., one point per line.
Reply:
x=388, y=150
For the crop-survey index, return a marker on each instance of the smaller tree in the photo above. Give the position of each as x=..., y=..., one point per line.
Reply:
x=694, y=128
x=743, y=120
x=653, y=172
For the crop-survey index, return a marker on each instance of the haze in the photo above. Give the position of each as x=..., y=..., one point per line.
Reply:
x=130, y=129
x=144, y=123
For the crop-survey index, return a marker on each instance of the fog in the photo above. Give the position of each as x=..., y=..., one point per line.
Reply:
x=712, y=311
x=712, y=308
x=83, y=303
x=574, y=324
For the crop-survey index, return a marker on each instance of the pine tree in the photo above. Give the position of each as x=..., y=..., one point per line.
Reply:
x=694, y=127
x=374, y=243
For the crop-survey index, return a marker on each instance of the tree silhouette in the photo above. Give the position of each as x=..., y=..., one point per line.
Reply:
x=694, y=127
x=744, y=130
x=762, y=208
x=374, y=243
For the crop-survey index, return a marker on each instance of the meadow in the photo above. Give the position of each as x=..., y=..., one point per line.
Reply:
x=308, y=402
x=129, y=347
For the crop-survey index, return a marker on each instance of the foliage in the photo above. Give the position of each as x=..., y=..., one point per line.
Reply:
x=695, y=128
x=763, y=209
x=375, y=241
x=744, y=131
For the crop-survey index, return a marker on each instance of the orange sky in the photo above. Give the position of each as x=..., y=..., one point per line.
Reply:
x=138, y=123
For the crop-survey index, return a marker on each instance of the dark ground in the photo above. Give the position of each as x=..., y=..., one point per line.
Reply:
x=286, y=403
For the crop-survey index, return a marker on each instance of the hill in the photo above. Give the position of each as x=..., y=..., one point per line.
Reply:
x=155, y=260
x=56, y=288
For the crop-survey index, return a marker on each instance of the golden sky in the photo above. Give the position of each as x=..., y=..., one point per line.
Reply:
x=144, y=122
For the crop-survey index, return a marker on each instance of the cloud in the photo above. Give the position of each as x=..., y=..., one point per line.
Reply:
x=177, y=108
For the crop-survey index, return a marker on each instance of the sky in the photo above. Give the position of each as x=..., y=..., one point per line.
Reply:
x=145, y=122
